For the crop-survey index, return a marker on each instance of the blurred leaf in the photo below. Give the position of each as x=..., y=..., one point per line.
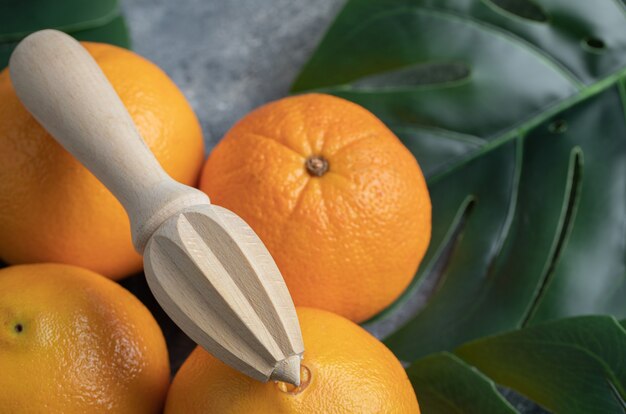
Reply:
x=575, y=365
x=445, y=384
x=115, y=32
x=94, y=20
x=521, y=135
x=19, y=18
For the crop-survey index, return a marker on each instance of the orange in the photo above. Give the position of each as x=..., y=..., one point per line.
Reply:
x=340, y=203
x=51, y=208
x=344, y=370
x=72, y=341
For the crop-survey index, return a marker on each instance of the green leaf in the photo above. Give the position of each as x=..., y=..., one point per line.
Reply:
x=94, y=20
x=519, y=126
x=575, y=365
x=445, y=384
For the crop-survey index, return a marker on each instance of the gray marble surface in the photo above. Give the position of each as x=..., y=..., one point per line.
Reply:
x=228, y=56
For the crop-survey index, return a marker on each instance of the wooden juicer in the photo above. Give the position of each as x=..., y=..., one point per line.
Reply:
x=205, y=266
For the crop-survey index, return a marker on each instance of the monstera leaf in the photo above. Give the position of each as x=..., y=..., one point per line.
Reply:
x=574, y=365
x=516, y=113
x=445, y=384
x=94, y=20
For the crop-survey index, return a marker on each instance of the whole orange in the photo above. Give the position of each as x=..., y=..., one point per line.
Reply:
x=344, y=370
x=339, y=201
x=51, y=208
x=72, y=341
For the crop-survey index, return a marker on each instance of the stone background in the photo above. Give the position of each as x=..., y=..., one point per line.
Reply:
x=228, y=56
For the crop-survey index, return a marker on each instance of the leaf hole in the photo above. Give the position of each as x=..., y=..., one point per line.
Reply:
x=525, y=9
x=558, y=126
x=429, y=73
x=593, y=44
x=417, y=296
x=564, y=228
x=441, y=265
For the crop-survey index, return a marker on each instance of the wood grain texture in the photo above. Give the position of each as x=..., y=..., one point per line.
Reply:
x=220, y=285
x=205, y=265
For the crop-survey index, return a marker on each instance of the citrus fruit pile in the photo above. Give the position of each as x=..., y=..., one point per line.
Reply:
x=340, y=203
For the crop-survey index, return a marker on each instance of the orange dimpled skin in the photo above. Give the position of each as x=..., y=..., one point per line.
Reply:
x=338, y=200
x=72, y=341
x=51, y=208
x=345, y=371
